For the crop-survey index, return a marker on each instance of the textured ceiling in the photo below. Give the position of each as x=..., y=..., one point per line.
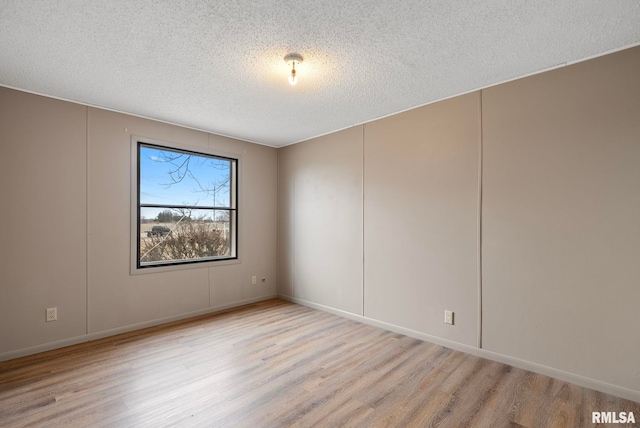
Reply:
x=218, y=65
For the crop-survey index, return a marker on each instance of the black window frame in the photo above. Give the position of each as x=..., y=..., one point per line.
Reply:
x=233, y=208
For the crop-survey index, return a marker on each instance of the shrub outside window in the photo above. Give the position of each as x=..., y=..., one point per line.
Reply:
x=186, y=206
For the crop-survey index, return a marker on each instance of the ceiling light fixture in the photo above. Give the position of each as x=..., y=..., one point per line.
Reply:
x=292, y=60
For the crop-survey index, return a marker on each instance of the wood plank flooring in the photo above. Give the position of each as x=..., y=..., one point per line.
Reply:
x=277, y=364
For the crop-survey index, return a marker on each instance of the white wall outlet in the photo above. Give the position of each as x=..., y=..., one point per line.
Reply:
x=448, y=317
x=52, y=314
x=254, y=279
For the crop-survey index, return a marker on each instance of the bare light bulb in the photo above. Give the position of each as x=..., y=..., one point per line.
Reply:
x=292, y=77
x=292, y=60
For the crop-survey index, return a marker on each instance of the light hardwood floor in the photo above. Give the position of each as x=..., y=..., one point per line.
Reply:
x=275, y=364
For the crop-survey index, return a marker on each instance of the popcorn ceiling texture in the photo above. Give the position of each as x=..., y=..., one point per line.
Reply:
x=218, y=65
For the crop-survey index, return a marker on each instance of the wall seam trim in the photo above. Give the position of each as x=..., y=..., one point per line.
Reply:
x=209, y=268
x=86, y=202
x=363, y=234
x=480, y=176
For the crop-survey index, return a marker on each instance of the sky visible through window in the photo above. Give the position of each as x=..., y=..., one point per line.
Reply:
x=177, y=178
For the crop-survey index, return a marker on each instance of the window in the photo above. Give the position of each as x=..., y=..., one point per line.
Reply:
x=186, y=206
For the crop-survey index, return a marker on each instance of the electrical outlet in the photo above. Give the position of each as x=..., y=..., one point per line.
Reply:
x=254, y=279
x=448, y=317
x=52, y=314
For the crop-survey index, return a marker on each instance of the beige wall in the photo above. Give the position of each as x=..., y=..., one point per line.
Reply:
x=43, y=225
x=418, y=212
x=559, y=221
x=420, y=218
x=320, y=220
x=66, y=191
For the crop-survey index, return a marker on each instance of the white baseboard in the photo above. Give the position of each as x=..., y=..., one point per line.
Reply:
x=584, y=381
x=125, y=329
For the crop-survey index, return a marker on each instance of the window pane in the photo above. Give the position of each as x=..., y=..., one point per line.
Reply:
x=170, y=177
x=175, y=235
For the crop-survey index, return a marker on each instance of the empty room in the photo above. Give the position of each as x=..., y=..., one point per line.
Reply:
x=366, y=214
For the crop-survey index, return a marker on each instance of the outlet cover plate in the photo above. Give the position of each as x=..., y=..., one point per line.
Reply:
x=448, y=317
